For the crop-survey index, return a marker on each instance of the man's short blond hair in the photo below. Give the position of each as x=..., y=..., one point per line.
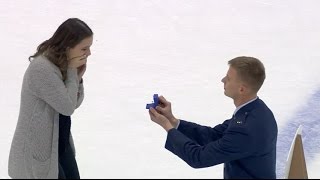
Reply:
x=250, y=70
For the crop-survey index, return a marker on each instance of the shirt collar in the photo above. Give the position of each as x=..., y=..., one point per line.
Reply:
x=239, y=107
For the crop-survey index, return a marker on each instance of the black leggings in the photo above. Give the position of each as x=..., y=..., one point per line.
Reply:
x=68, y=168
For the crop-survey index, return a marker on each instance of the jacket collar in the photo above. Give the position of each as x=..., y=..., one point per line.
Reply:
x=248, y=107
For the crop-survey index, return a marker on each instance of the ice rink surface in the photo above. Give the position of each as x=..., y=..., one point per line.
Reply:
x=178, y=49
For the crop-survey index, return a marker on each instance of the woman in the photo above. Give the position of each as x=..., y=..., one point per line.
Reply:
x=52, y=89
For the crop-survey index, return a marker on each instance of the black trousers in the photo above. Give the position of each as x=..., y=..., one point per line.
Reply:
x=68, y=168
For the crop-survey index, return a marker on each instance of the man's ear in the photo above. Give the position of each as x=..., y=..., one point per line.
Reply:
x=243, y=88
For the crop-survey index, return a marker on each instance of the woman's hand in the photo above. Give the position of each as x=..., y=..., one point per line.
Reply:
x=77, y=61
x=81, y=71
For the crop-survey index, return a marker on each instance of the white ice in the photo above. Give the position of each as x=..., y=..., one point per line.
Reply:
x=176, y=48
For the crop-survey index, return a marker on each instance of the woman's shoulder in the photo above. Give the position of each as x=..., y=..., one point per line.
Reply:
x=41, y=62
x=40, y=66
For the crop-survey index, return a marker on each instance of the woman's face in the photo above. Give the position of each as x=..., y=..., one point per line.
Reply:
x=81, y=50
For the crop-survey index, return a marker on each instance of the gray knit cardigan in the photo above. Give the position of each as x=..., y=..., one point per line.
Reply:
x=34, y=148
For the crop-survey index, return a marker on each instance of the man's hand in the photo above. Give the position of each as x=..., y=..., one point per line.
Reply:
x=160, y=119
x=164, y=108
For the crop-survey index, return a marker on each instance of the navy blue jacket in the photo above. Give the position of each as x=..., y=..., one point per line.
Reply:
x=246, y=143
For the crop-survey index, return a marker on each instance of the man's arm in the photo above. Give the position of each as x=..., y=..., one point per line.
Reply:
x=202, y=134
x=235, y=144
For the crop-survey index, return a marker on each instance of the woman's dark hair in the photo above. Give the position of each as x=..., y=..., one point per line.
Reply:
x=69, y=34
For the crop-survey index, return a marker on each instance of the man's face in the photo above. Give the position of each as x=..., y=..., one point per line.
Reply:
x=232, y=84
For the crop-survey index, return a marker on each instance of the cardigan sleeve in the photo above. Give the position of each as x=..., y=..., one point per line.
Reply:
x=80, y=94
x=46, y=84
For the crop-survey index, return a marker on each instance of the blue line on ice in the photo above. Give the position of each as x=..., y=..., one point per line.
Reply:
x=309, y=117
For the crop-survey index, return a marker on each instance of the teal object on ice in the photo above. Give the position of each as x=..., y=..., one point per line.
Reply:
x=155, y=102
